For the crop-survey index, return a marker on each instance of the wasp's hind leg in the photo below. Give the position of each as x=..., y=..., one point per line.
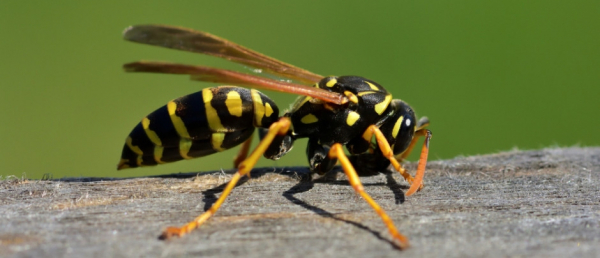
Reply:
x=337, y=152
x=277, y=129
x=243, y=152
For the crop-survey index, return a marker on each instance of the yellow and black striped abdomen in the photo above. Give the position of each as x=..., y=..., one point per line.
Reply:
x=196, y=125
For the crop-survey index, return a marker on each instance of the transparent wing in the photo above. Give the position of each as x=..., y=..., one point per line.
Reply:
x=202, y=73
x=205, y=43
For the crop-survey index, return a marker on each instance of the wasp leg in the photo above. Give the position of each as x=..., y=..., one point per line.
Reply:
x=243, y=153
x=337, y=151
x=423, y=122
x=318, y=161
x=416, y=183
x=280, y=127
x=387, y=152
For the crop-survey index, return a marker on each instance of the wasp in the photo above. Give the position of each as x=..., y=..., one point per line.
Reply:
x=335, y=112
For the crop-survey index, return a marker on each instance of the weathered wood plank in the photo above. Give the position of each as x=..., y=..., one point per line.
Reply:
x=519, y=203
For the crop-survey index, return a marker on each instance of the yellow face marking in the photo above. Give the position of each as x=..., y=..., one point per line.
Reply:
x=214, y=121
x=234, y=103
x=158, y=152
x=268, y=109
x=372, y=86
x=331, y=82
x=360, y=94
x=309, y=119
x=217, y=141
x=351, y=97
x=316, y=85
x=381, y=106
x=259, y=108
x=397, y=126
x=352, y=118
x=184, y=147
x=177, y=122
x=151, y=134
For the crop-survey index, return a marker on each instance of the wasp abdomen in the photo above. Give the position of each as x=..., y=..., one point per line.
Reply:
x=196, y=125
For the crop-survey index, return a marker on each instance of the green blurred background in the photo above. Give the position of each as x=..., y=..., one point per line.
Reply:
x=491, y=75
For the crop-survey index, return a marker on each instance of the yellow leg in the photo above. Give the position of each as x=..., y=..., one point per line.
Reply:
x=337, y=151
x=243, y=153
x=417, y=182
x=280, y=127
x=387, y=152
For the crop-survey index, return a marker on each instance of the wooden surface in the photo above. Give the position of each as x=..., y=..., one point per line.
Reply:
x=532, y=204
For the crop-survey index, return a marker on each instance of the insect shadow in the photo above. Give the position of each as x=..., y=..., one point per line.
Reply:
x=306, y=183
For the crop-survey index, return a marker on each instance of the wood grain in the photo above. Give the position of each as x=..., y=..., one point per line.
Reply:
x=543, y=203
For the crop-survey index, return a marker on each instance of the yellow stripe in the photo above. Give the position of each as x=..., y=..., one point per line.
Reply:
x=158, y=152
x=214, y=121
x=177, y=122
x=299, y=103
x=372, y=86
x=139, y=161
x=380, y=107
x=306, y=99
x=151, y=134
x=135, y=149
x=123, y=164
x=309, y=119
x=217, y=141
x=331, y=82
x=234, y=103
x=397, y=126
x=259, y=109
x=184, y=147
x=352, y=118
x=268, y=109
x=351, y=97
x=360, y=94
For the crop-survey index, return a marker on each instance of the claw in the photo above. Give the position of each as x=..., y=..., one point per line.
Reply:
x=170, y=232
x=411, y=180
